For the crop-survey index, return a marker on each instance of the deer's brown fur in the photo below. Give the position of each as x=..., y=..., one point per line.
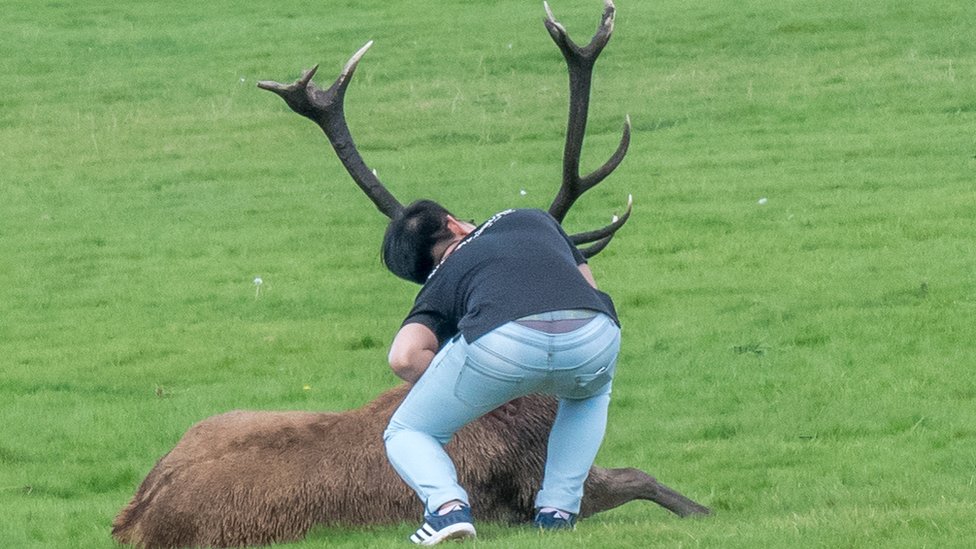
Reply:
x=253, y=478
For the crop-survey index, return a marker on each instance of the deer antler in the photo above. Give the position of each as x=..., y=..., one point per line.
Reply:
x=580, y=61
x=325, y=108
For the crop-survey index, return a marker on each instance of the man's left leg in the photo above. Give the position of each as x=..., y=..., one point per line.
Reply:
x=452, y=393
x=424, y=422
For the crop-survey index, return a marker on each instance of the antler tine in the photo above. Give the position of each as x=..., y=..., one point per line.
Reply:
x=601, y=173
x=325, y=108
x=596, y=248
x=580, y=61
x=608, y=230
x=602, y=236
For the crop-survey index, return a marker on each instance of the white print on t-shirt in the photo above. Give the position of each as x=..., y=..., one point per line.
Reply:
x=491, y=221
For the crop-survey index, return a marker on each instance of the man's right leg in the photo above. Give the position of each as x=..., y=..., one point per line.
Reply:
x=586, y=365
x=576, y=436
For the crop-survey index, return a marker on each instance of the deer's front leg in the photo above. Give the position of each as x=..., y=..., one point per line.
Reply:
x=609, y=488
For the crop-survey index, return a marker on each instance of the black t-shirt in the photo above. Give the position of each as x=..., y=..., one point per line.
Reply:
x=516, y=264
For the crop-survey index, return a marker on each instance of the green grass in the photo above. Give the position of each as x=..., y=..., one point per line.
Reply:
x=803, y=366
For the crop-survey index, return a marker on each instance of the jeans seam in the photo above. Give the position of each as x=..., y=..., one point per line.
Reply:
x=505, y=359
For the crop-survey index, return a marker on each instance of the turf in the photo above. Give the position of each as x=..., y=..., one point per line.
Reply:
x=796, y=285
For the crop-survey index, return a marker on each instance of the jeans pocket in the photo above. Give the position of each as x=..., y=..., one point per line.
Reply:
x=479, y=386
x=590, y=384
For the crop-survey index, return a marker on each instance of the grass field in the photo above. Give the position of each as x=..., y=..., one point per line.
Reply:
x=804, y=365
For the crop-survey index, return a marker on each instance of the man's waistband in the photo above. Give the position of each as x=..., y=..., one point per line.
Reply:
x=558, y=322
x=566, y=314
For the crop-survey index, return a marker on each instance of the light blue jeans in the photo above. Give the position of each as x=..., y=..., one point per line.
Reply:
x=466, y=381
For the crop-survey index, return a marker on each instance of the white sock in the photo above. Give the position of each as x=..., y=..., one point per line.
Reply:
x=445, y=509
x=559, y=512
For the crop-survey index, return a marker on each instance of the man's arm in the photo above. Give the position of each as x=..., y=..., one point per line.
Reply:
x=587, y=274
x=412, y=350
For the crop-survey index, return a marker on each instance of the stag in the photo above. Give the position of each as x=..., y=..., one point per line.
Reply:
x=251, y=478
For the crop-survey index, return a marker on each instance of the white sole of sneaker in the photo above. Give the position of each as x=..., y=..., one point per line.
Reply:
x=455, y=532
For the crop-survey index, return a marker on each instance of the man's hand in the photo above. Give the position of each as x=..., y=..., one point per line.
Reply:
x=412, y=350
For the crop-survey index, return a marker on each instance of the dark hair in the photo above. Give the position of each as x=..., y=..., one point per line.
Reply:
x=410, y=239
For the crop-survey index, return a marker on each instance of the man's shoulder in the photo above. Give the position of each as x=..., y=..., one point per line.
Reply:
x=528, y=214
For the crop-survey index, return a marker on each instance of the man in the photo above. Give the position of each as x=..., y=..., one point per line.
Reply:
x=507, y=308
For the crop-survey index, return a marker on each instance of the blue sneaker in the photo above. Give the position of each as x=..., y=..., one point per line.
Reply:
x=456, y=525
x=555, y=520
